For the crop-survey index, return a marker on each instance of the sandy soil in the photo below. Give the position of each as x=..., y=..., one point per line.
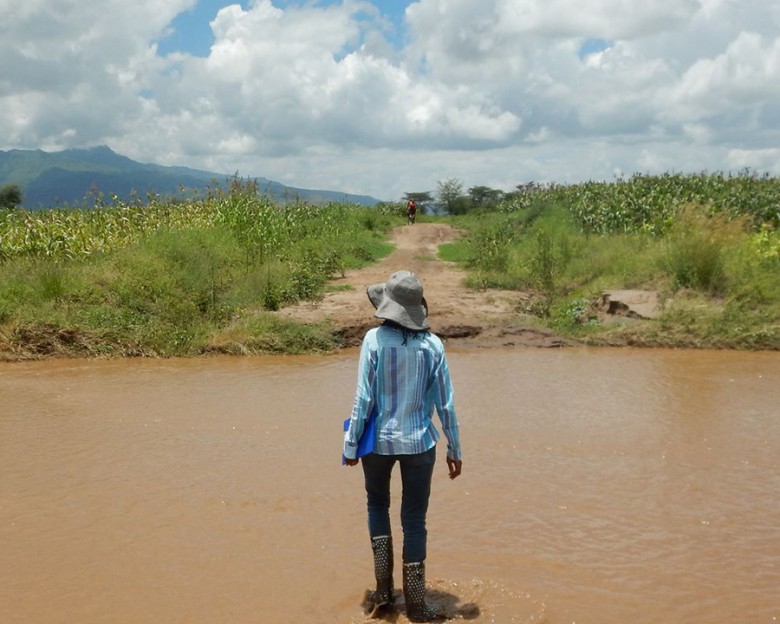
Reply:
x=459, y=315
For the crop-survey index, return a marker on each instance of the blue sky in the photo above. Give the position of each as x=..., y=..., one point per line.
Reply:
x=191, y=32
x=388, y=97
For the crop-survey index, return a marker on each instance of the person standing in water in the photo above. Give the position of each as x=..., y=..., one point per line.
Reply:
x=402, y=376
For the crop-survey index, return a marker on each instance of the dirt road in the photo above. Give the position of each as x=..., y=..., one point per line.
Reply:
x=459, y=315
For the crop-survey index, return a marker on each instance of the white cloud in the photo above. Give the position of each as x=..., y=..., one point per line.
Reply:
x=767, y=160
x=746, y=73
x=607, y=19
x=493, y=92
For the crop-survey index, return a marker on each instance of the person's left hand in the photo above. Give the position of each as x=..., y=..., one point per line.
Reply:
x=351, y=462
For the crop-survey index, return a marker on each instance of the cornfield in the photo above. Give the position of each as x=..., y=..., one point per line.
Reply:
x=79, y=233
x=175, y=278
x=649, y=204
x=264, y=228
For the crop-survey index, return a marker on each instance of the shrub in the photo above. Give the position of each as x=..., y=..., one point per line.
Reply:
x=695, y=250
x=10, y=196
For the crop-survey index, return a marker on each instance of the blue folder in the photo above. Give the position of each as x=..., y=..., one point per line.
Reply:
x=367, y=439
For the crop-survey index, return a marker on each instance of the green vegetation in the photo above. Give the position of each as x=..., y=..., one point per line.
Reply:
x=202, y=276
x=175, y=279
x=10, y=196
x=708, y=244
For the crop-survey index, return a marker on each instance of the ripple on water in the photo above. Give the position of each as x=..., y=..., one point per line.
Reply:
x=476, y=599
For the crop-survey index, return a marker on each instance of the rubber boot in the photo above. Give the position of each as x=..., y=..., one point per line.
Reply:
x=414, y=594
x=383, y=597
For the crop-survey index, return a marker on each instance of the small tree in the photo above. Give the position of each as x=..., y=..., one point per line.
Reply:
x=422, y=199
x=485, y=197
x=10, y=196
x=449, y=195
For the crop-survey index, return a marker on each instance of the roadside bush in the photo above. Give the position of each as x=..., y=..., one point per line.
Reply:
x=608, y=261
x=490, y=244
x=204, y=263
x=695, y=250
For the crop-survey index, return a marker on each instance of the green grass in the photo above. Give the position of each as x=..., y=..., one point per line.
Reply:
x=719, y=275
x=259, y=333
x=182, y=283
x=339, y=288
x=181, y=279
x=455, y=252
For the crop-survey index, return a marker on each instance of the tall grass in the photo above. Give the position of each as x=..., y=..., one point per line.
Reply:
x=712, y=240
x=164, y=279
x=695, y=250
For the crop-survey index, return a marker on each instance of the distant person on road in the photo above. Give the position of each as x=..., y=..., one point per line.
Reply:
x=402, y=376
x=411, y=211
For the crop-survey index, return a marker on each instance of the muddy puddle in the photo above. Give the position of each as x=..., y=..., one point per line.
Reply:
x=599, y=486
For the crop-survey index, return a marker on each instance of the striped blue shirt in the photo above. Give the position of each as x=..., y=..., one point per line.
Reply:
x=404, y=376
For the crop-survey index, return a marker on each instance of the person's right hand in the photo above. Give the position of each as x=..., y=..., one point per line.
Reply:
x=455, y=466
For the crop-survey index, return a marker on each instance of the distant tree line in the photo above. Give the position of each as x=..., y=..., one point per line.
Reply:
x=450, y=199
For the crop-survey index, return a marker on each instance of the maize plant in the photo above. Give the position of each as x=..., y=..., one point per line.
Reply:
x=650, y=204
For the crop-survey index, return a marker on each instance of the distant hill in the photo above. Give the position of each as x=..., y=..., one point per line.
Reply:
x=69, y=177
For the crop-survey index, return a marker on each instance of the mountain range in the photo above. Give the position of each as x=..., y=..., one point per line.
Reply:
x=71, y=177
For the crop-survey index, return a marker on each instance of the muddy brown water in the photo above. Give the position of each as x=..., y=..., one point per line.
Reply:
x=599, y=486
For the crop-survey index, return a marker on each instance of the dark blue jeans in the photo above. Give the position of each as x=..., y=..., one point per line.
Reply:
x=416, y=474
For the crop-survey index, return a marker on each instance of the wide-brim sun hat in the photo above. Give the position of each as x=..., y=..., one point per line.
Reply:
x=400, y=299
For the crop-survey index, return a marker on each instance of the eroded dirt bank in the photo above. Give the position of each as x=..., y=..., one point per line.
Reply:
x=462, y=316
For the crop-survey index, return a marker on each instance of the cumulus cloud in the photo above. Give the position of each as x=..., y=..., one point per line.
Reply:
x=744, y=75
x=493, y=92
x=70, y=75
